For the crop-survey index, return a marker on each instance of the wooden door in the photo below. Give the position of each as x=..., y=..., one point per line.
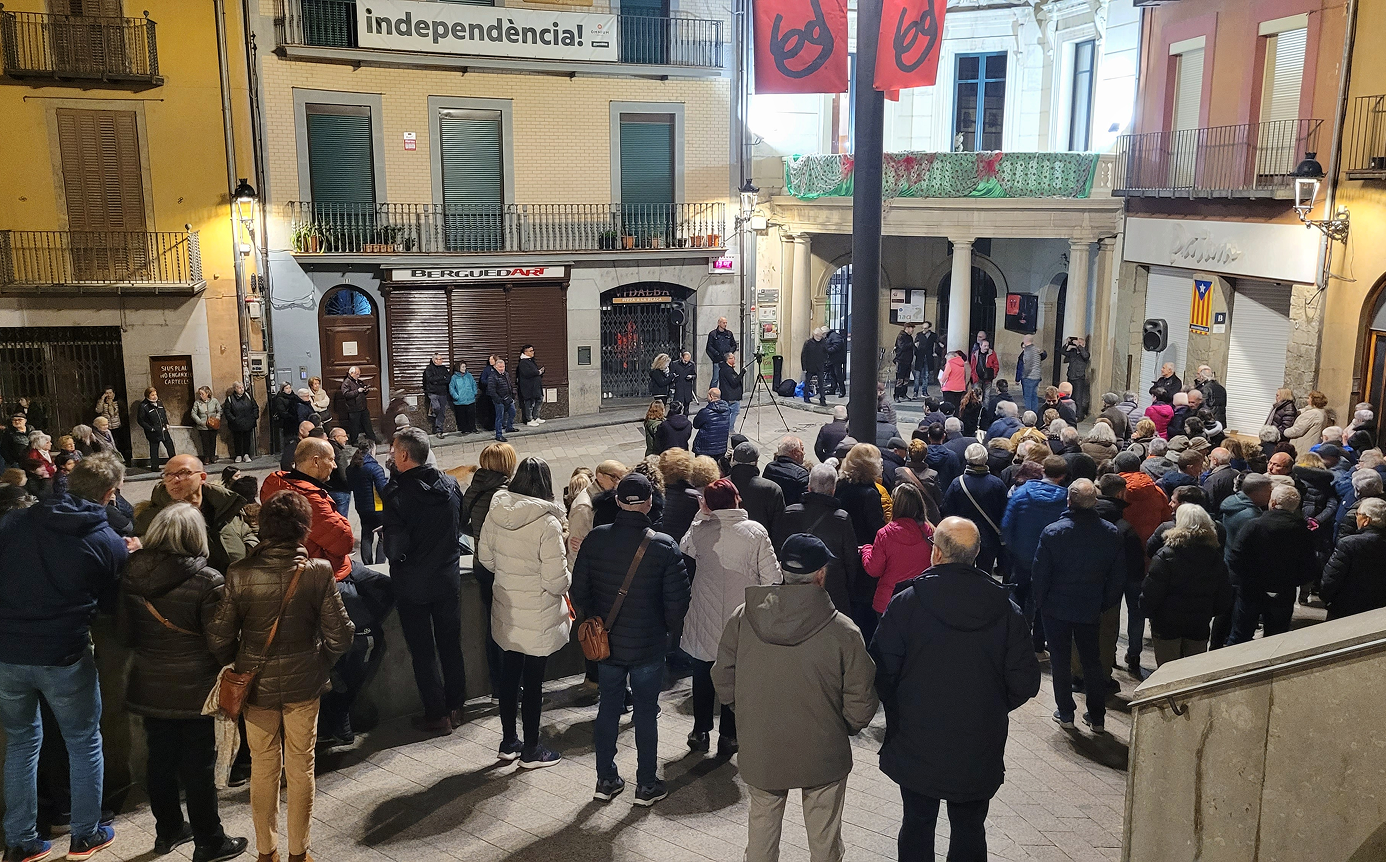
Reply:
x=349, y=334
x=104, y=186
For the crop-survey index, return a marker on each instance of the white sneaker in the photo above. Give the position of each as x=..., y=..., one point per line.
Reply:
x=539, y=421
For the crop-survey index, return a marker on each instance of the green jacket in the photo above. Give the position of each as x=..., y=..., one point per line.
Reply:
x=229, y=537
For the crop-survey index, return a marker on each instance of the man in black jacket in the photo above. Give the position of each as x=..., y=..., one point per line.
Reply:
x=502, y=396
x=831, y=434
x=1078, y=357
x=788, y=470
x=435, y=385
x=925, y=352
x=685, y=372
x=422, y=520
x=1214, y=393
x=649, y=619
x=529, y=377
x=1268, y=561
x=731, y=385
x=904, y=361
x=354, y=393
x=820, y=514
x=943, y=639
x=814, y=357
x=720, y=342
x=762, y=499
x=1111, y=507
x=837, y=360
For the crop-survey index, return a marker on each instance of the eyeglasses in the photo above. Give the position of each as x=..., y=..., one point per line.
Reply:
x=181, y=475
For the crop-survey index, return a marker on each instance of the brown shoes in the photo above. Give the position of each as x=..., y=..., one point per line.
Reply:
x=441, y=726
x=300, y=857
x=268, y=857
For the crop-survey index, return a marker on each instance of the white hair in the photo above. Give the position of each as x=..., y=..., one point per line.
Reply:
x=952, y=423
x=1102, y=433
x=976, y=455
x=1366, y=482
x=1374, y=510
x=1007, y=408
x=823, y=478
x=1285, y=497
x=1332, y=433
x=1057, y=427
x=790, y=447
x=1156, y=447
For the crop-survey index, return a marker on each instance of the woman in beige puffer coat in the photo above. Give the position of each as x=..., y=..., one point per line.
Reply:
x=1307, y=430
x=523, y=543
x=732, y=553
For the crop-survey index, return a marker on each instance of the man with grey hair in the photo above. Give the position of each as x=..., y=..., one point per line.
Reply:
x=957, y=441
x=795, y=667
x=979, y=497
x=60, y=557
x=1029, y=370
x=1156, y=463
x=819, y=513
x=1269, y=560
x=831, y=434
x=1115, y=416
x=788, y=470
x=355, y=397
x=953, y=658
x=1366, y=485
x=1079, y=572
x=1214, y=394
x=1006, y=422
x=1028, y=419
x=1352, y=581
x=1221, y=481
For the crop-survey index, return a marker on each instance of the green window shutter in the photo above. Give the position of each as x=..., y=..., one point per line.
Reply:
x=340, y=161
x=647, y=162
x=471, y=158
x=473, y=2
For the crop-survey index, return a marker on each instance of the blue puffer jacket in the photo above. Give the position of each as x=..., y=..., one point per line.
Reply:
x=1003, y=427
x=714, y=423
x=462, y=388
x=1080, y=567
x=366, y=480
x=945, y=461
x=1034, y=506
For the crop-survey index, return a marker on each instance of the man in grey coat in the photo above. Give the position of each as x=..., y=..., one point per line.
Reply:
x=795, y=668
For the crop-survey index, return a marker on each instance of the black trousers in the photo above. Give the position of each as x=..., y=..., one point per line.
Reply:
x=465, y=414
x=243, y=442
x=368, y=596
x=121, y=436
x=516, y=668
x=705, y=702
x=839, y=372
x=433, y=632
x=358, y=422
x=967, y=840
x=183, y=754
x=486, y=582
x=155, y=463
x=529, y=409
x=208, y=438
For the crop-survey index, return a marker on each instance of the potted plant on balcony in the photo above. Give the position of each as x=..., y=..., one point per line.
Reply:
x=627, y=242
x=307, y=238
x=714, y=240
x=607, y=240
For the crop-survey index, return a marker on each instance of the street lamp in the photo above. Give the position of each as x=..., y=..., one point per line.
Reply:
x=749, y=195
x=244, y=198
x=1308, y=178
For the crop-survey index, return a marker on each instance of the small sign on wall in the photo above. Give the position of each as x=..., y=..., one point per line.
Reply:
x=550, y=396
x=350, y=348
x=1219, y=322
x=411, y=141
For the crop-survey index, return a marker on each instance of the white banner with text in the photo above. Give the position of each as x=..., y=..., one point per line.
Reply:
x=450, y=28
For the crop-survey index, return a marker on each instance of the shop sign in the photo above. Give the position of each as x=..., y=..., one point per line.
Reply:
x=485, y=31
x=642, y=296
x=1280, y=252
x=472, y=273
x=721, y=264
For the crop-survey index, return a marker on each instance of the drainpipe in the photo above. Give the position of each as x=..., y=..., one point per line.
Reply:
x=1335, y=157
x=257, y=137
x=242, y=315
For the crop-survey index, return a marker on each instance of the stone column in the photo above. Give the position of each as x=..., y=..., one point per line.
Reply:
x=1076, y=302
x=960, y=296
x=796, y=310
x=1101, y=344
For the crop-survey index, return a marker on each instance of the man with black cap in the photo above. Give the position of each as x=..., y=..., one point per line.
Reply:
x=953, y=659
x=634, y=579
x=762, y=499
x=795, y=668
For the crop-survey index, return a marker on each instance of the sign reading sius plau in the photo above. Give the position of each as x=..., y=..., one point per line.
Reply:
x=454, y=28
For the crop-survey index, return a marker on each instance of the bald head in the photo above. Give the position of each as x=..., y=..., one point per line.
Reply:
x=314, y=457
x=1220, y=457
x=183, y=478
x=304, y=429
x=1280, y=464
x=956, y=540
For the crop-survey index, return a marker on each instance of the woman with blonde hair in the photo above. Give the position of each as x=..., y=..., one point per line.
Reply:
x=680, y=501
x=1187, y=585
x=860, y=495
x=522, y=543
x=206, y=416
x=1307, y=429
x=661, y=378
x=653, y=417
x=319, y=398
x=1144, y=431
x=1284, y=412
x=578, y=482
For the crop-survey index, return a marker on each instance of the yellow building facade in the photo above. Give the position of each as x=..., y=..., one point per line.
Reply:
x=118, y=248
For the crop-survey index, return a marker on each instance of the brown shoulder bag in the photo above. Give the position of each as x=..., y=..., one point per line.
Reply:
x=234, y=687
x=592, y=634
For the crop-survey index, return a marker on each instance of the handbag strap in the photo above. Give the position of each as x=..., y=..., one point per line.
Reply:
x=962, y=481
x=630, y=576
x=164, y=622
x=293, y=588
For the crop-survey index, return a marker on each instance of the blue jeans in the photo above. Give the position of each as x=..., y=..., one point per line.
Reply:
x=715, y=376
x=505, y=417
x=645, y=682
x=735, y=410
x=75, y=697
x=921, y=381
x=342, y=500
x=1030, y=390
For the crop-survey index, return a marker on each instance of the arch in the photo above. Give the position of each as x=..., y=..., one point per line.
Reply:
x=982, y=308
x=820, y=286
x=1370, y=370
x=349, y=335
x=639, y=321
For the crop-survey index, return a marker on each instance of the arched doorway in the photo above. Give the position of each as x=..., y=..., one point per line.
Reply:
x=982, y=309
x=838, y=311
x=640, y=321
x=349, y=334
x=1372, y=364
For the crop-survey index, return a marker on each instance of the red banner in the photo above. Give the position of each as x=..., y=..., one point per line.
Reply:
x=910, y=43
x=801, y=46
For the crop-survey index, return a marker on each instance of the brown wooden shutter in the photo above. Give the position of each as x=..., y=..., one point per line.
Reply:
x=102, y=178
x=85, y=7
x=417, y=327
x=479, y=327
x=539, y=316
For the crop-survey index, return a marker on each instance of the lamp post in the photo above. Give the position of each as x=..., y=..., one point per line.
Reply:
x=749, y=195
x=1308, y=179
x=868, y=112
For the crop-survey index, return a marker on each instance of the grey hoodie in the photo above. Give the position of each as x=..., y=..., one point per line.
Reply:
x=796, y=669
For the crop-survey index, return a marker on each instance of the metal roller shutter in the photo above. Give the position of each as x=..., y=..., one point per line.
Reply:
x=480, y=327
x=1256, y=352
x=1188, y=95
x=340, y=162
x=473, y=192
x=416, y=323
x=1168, y=295
x=539, y=316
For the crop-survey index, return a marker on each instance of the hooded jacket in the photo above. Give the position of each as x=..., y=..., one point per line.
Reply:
x=1146, y=504
x=654, y=608
x=366, y=479
x=1187, y=587
x=1032, y=507
x=423, y=519
x=476, y=502
x=732, y=552
x=229, y=537
x=955, y=374
x=714, y=423
x=1320, y=499
x=203, y=412
x=330, y=537
x=762, y=499
x=902, y=550
x=314, y=629
x=172, y=671
x=1220, y=484
x=1238, y=513
x=1004, y=426
x=795, y=668
x=821, y=515
x=522, y=543
x=792, y=478
x=462, y=388
x=1160, y=414
x=953, y=658
x=673, y=433
x=60, y=558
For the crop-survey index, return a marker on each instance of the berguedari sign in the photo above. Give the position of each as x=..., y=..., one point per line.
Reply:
x=453, y=28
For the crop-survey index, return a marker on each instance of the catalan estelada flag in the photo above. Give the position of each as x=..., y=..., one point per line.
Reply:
x=1201, y=309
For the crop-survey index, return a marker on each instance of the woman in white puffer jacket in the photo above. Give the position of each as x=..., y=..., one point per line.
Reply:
x=523, y=542
x=732, y=552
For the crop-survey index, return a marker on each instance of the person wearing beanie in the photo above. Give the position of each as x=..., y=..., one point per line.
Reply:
x=795, y=667
x=1116, y=416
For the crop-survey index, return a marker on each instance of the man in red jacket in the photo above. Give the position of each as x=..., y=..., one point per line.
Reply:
x=985, y=367
x=330, y=537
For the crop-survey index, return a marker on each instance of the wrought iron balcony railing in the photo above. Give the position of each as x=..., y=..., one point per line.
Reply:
x=1364, y=156
x=397, y=228
x=71, y=262
x=79, y=48
x=651, y=40
x=1246, y=161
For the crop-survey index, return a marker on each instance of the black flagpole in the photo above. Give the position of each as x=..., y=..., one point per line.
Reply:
x=868, y=109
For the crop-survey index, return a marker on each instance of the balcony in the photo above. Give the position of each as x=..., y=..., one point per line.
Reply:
x=46, y=49
x=81, y=263
x=1253, y=160
x=330, y=31
x=949, y=175
x=1364, y=156
x=413, y=229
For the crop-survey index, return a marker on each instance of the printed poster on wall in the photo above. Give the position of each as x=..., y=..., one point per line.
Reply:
x=488, y=31
x=801, y=46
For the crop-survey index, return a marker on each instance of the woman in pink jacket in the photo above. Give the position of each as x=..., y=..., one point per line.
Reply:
x=1160, y=412
x=955, y=377
x=903, y=548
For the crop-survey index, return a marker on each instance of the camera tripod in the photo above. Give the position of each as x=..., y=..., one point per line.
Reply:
x=756, y=387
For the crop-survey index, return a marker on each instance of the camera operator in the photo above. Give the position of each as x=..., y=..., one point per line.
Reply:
x=1077, y=356
x=731, y=380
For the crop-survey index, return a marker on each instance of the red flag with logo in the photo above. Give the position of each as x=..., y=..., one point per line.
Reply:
x=910, y=42
x=801, y=46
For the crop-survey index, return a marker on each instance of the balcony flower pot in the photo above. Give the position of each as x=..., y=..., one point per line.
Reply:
x=606, y=240
x=401, y=248
x=683, y=242
x=313, y=244
x=698, y=241
x=714, y=240
x=628, y=242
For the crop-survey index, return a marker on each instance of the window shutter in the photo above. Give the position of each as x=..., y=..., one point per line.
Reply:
x=1284, y=75
x=102, y=178
x=647, y=162
x=340, y=161
x=539, y=316
x=480, y=328
x=1188, y=96
x=416, y=328
x=471, y=157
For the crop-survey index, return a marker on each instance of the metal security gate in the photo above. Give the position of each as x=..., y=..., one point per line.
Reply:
x=639, y=322
x=62, y=370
